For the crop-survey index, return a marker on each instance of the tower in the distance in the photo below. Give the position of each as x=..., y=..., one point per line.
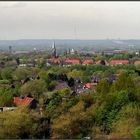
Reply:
x=10, y=49
x=69, y=51
x=53, y=50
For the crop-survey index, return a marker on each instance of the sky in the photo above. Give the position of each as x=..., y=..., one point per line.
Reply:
x=69, y=20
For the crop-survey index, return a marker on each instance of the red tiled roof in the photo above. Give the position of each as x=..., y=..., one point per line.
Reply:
x=88, y=85
x=58, y=61
x=99, y=62
x=113, y=62
x=73, y=61
x=137, y=62
x=20, y=101
x=88, y=61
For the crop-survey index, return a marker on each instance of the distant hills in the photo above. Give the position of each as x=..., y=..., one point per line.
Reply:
x=45, y=44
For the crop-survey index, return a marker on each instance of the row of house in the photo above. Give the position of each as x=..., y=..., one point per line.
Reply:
x=58, y=61
x=87, y=61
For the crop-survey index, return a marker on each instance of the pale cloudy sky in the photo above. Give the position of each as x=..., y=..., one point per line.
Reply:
x=61, y=20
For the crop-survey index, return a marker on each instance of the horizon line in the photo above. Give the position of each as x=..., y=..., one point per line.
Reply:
x=68, y=39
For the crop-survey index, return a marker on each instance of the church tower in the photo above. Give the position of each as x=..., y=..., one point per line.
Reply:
x=53, y=50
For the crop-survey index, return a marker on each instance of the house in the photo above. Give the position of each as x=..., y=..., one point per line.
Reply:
x=119, y=62
x=72, y=61
x=61, y=85
x=137, y=52
x=90, y=86
x=137, y=62
x=48, y=64
x=85, y=62
x=22, y=65
x=57, y=61
x=82, y=91
x=54, y=61
x=78, y=88
x=25, y=101
x=95, y=79
x=82, y=88
x=4, y=109
x=30, y=65
x=77, y=80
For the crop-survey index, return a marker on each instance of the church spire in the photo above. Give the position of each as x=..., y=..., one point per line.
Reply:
x=53, y=50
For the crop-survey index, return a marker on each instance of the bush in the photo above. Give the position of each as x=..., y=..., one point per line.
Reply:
x=136, y=133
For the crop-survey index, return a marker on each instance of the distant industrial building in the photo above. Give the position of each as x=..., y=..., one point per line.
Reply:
x=10, y=49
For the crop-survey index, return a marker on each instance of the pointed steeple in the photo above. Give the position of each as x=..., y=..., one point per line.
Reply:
x=53, y=50
x=53, y=45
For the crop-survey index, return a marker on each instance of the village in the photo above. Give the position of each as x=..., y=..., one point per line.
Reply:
x=68, y=59
x=43, y=82
x=69, y=70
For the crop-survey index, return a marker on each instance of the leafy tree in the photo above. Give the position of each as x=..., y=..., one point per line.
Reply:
x=72, y=125
x=6, y=73
x=15, y=124
x=45, y=76
x=51, y=85
x=65, y=91
x=75, y=74
x=40, y=127
x=103, y=87
x=21, y=73
x=6, y=97
x=34, y=88
x=53, y=101
x=125, y=82
x=136, y=133
x=127, y=122
x=107, y=112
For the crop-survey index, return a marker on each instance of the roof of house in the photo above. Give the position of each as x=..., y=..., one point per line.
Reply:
x=73, y=61
x=61, y=85
x=95, y=79
x=88, y=61
x=23, y=101
x=137, y=62
x=58, y=61
x=81, y=91
x=112, y=62
x=90, y=85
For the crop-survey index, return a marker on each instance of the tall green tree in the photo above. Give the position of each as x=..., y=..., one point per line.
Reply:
x=34, y=88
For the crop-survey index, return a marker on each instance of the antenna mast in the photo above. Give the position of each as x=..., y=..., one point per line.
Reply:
x=75, y=33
